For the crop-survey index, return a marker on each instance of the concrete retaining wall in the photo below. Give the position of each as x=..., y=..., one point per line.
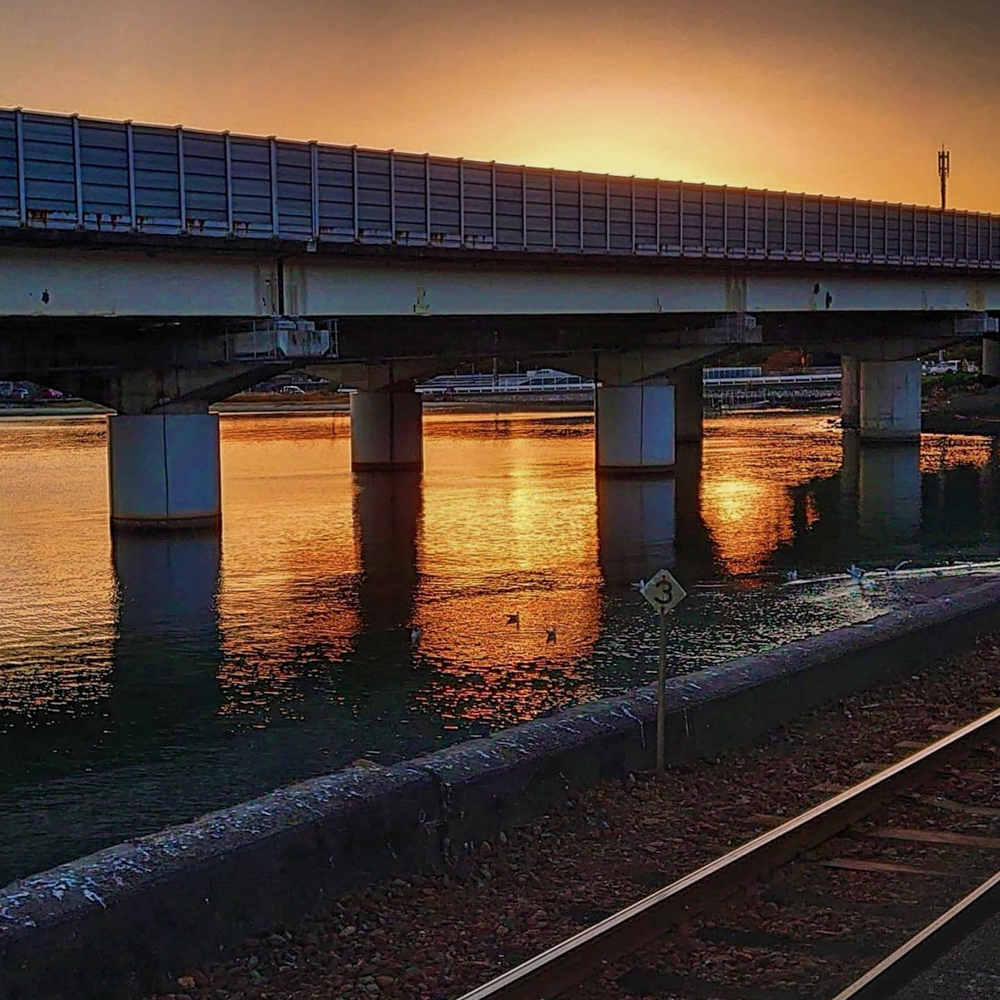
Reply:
x=128, y=920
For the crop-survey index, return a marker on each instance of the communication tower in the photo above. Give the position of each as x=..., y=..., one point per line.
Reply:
x=944, y=169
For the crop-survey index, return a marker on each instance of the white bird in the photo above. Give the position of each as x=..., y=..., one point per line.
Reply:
x=855, y=573
x=550, y=635
x=792, y=574
x=639, y=585
x=514, y=619
x=415, y=634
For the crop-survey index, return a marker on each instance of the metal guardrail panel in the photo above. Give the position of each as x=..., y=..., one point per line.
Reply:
x=60, y=171
x=9, y=200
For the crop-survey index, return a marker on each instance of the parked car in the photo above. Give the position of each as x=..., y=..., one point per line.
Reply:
x=292, y=390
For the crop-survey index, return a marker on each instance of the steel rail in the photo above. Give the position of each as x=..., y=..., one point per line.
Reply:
x=925, y=947
x=573, y=960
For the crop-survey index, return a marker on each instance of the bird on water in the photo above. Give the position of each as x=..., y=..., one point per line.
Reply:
x=514, y=619
x=550, y=635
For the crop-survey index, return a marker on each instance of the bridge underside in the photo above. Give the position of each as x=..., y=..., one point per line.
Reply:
x=68, y=304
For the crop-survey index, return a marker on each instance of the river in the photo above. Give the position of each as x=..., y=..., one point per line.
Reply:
x=146, y=681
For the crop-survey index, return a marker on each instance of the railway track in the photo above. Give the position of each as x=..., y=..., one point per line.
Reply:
x=808, y=908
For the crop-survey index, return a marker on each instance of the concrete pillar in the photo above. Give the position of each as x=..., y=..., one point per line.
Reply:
x=850, y=393
x=635, y=429
x=890, y=401
x=991, y=357
x=164, y=470
x=689, y=403
x=386, y=430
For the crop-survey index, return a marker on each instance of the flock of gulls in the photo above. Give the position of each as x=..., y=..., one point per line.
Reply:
x=867, y=577
x=855, y=573
x=863, y=578
x=512, y=619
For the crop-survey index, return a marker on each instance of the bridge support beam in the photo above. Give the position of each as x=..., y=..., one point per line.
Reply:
x=890, y=401
x=689, y=404
x=386, y=430
x=850, y=393
x=164, y=470
x=635, y=429
x=991, y=357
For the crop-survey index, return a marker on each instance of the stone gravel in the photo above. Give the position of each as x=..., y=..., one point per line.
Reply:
x=435, y=936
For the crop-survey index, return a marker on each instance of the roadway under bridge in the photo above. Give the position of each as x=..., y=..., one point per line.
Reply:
x=157, y=270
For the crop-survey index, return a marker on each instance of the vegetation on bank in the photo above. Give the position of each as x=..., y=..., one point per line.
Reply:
x=949, y=384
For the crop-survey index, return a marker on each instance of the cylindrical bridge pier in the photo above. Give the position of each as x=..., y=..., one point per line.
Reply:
x=386, y=430
x=164, y=470
x=635, y=429
x=890, y=401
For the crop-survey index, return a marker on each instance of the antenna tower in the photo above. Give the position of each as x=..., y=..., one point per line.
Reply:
x=944, y=169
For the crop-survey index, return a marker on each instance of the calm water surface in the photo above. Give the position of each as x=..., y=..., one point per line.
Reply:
x=146, y=681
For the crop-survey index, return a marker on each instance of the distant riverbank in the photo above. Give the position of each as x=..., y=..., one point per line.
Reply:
x=966, y=414
x=281, y=403
x=259, y=404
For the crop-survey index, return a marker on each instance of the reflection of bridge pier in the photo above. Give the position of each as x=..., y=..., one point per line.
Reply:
x=636, y=524
x=850, y=469
x=387, y=509
x=695, y=552
x=884, y=482
x=168, y=647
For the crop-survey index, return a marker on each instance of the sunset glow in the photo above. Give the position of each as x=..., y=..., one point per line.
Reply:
x=845, y=98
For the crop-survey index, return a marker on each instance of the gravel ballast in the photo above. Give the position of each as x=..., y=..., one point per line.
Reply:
x=434, y=937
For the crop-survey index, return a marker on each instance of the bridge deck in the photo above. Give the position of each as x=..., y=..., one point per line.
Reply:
x=62, y=172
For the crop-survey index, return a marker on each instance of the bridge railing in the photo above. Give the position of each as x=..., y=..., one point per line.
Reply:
x=67, y=172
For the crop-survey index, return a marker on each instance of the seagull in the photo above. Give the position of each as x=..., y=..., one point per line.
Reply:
x=639, y=585
x=792, y=574
x=855, y=573
x=550, y=635
x=415, y=634
x=514, y=619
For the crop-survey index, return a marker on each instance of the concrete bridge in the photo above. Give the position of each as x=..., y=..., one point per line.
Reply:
x=157, y=270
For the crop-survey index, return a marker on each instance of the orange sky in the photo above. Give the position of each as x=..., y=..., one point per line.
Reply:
x=848, y=97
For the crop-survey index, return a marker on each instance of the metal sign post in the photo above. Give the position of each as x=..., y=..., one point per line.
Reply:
x=664, y=593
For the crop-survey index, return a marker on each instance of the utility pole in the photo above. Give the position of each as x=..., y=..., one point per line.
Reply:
x=944, y=169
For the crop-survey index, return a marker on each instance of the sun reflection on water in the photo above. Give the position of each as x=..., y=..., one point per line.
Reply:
x=751, y=463
x=509, y=529
x=146, y=680
x=324, y=576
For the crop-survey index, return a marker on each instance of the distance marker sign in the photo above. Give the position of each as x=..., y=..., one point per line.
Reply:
x=663, y=592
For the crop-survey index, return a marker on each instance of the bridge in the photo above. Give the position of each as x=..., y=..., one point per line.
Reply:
x=159, y=269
